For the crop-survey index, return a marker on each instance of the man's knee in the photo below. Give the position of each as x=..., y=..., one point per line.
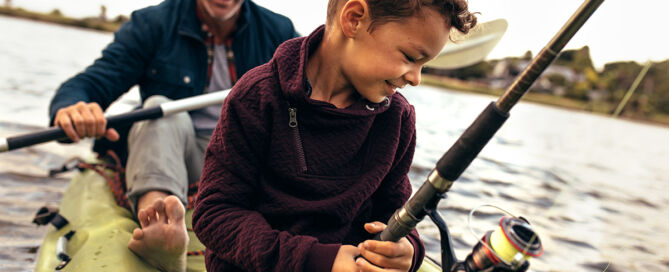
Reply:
x=176, y=125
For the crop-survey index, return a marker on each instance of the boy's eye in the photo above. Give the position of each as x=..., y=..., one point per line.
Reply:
x=409, y=58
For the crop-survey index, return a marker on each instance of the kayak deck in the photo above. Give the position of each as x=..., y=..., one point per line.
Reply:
x=103, y=229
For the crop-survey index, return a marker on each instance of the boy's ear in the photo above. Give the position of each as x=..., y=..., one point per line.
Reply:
x=353, y=16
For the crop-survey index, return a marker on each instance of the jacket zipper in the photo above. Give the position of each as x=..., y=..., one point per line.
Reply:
x=298, y=141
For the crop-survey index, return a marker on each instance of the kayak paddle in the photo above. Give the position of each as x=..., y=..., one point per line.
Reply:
x=168, y=108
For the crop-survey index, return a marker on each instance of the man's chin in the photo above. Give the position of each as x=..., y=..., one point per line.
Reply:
x=222, y=14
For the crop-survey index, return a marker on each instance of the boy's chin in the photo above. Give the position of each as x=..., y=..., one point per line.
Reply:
x=376, y=99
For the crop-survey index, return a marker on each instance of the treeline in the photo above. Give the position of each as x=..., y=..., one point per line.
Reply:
x=57, y=17
x=600, y=91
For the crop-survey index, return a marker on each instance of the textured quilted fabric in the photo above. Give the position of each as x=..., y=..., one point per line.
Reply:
x=259, y=209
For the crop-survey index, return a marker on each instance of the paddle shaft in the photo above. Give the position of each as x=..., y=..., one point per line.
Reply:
x=632, y=88
x=471, y=142
x=167, y=108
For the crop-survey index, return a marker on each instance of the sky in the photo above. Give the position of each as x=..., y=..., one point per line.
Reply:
x=620, y=30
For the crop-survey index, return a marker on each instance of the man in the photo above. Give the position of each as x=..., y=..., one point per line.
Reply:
x=174, y=50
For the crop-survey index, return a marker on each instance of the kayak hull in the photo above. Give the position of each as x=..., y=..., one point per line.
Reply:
x=103, y=229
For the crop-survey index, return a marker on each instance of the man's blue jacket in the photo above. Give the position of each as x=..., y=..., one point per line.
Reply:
x=162, y=49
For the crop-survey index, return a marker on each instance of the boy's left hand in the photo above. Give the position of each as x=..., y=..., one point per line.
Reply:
x=384, y=255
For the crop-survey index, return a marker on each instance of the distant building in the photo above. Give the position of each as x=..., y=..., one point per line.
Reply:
x=506, y=71
x=598, y=95
x=8, y=3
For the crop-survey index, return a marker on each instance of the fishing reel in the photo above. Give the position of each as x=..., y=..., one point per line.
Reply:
x=507, y=248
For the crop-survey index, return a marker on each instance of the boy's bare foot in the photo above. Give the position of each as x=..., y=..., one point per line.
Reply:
x=163, y=238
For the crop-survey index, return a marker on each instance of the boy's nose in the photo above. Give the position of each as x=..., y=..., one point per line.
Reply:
x=413, y=76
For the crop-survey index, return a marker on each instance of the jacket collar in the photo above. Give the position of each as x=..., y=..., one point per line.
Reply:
x=295, y=84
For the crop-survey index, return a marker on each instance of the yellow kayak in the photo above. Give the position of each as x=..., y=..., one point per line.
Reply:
x=102, y=231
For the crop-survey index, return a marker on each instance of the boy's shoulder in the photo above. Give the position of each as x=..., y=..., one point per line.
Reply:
x=259, y=82
x=269, y=79
x=401, y=106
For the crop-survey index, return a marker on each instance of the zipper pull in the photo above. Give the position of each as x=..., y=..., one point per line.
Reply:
x=293, y=117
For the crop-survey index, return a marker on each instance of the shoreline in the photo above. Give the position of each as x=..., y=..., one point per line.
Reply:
x=55, y=17
x=539, y=98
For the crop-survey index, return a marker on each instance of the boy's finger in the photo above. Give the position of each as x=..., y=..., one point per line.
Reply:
x=381, y=260
x=366, y=266
x=375, y=227
x=385, y=248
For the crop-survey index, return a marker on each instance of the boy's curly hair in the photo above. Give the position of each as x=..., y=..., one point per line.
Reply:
x=456, y=12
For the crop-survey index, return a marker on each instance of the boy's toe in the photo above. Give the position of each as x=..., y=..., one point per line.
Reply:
x=143, y=218
x=159, y=206
x=174, y=209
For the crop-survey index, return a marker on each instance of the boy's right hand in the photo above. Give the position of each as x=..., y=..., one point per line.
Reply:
x=84, y=120
x=345, y=259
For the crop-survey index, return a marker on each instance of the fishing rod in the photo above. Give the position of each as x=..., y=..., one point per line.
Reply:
x=165, y=109
x=514, y=239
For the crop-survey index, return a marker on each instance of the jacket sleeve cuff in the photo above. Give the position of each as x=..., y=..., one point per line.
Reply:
x=321, y=257
x=418, y=251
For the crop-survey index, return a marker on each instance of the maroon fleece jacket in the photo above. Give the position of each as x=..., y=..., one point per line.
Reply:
x=288, y=179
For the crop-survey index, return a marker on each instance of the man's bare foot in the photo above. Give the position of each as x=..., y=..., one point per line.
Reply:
x=163, y=238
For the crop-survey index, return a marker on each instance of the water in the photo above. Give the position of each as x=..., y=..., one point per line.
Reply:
x=591, y=186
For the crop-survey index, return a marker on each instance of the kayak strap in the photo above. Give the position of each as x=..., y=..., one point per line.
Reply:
x=47, y=214
x=112, y=170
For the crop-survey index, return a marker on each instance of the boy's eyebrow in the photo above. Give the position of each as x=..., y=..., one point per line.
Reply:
x=421, y=50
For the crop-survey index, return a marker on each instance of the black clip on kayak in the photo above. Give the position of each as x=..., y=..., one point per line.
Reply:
x=517, y=235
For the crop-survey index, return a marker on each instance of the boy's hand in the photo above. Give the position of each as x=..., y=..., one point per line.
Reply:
x=84, y=120
x=384, y=255
x=345, y=259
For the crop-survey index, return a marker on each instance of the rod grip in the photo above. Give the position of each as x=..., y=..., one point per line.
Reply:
x=405, y=219
x=471, y=142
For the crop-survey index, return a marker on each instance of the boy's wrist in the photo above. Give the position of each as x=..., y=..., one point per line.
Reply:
x=321, y=257
x=418, y=253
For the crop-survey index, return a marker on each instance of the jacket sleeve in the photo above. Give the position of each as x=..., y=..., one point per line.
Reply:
x=120, y=67
x=396, y=187
x=224, y=218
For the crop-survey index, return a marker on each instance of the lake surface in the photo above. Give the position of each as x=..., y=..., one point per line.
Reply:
x=592, y=186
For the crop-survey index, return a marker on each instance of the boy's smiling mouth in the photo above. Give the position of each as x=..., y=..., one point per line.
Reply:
x=392, y=87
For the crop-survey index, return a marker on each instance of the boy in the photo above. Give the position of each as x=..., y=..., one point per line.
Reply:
x=315, y=144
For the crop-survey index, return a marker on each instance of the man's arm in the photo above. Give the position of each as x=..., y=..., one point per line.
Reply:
x=121, y=65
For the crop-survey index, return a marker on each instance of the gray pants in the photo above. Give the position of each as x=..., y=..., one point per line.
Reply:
x=163, y=155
